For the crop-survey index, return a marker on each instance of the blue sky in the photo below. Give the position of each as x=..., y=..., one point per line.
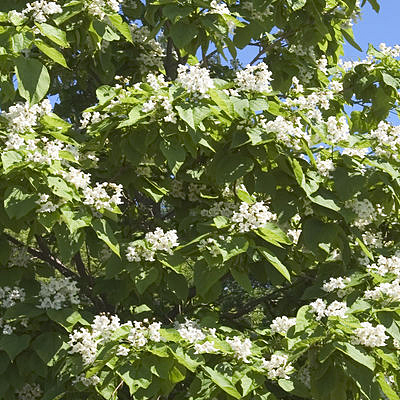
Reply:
x=376, y=28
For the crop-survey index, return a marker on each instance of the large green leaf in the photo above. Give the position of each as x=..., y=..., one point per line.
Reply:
x=223, y=381
x=18, y=203
x=33, y=79
x=14, y=344
x=275, y=262
x=105, y=233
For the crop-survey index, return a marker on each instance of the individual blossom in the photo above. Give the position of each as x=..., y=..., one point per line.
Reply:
x=195, y=79
x=278, y=366
x=370, y=336
x=241, y=348
x=255, y=78
x=282, y=324
x=251, y=217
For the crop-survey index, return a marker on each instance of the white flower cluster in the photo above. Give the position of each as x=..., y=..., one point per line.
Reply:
x=11, y=296
x=164, y=103
x=99, y=8
x=7, y=329
x=386, y=265
x=156, y=81
x=206, y=347
x=153, y=242
x=373, y=239
x=390, y=51
x=46, y=205
x=387, y=138
x=99, y=196
x=190, y=331
x=335, y=309
x=282, y=324
x=257, y=14
x=29, y=392
x=212, y=246
x=370, y=336
x=92, y=381
x=41, y=10
x=338, y=130
x=254, y=216
x=77, y=177
x=333, y=284
x=278, y=366
x=241, y=348
x=57, y=293
x=254, y=78
x=85, y=341
x=140, y=334
x=325, y=167
x=387, y=290
x=364, y=210
x=19, y=257
x=220, y=208
x=219, y=8
x=91, y=118
x=151, y=56
x=194, y=79
x=287, y=132
x=322, y=64
x=22, y=117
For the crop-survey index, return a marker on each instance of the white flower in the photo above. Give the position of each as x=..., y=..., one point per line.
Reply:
x=195, y=79
x=57, y=293
x=92, y=381
x=100, y=198
x=325, y=166
x=385, y=289
x=364, y=210
x=282, y=324
x=190, y=331
x=29, y=392
x=206, y=347
x=277, y=367
x=370, y=336
x=335, y=283
x=335, y=309
x=256, y=78
x=254, y=216
x=99, y=8
x=338, y=130
x=41, y=9
x=10, y=296
x=241, y=348
x=122, y=351
x=77, y=177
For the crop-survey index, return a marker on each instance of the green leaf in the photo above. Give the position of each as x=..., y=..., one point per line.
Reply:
x=105, y=233
x=205, y=276
x=145, y=279
x=33, y=79
x=273, y=234
x=14, y=344
x=182, y=34
x=296, y=4
x=175, y=155
x=275, y=262
x=9, y=158
x=66, y=317
x=186, y=113
x=242, y=278
x=232, y=167
x=223, y=382
x=47, y=345
x=386, y=387
x=121, y=26
x=356, y=353
x=60, y=188
x=55, y=34
x=51, y=52
x=17, y=203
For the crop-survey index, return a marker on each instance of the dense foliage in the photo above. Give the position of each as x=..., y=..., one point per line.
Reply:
x=181, y=226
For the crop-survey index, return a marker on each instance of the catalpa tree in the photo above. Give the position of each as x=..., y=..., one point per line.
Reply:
x=176, y=225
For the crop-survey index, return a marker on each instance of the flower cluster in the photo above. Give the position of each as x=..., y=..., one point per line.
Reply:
x=241, y=348
x=387, y=137
x=278, y=366
x=287, y=132
x=190, y=331
x=390, y=51
x=387, y=290
x=325, y=167
x=255, y=78
x=386, y=265
x=22, y=117
x=57, y=293
x=364, y=210
x=10, y=296
x=77, y=177
x=85, y=341
x=40, y=10
x=92, y=381
x=140, y=334
x=254, y=216
x=282, y=324
x=338, y=130
x=99, y=196
x=153, y=242
x=19, y=257
x=7, y=329
x=335, y=309
x=29, y=392
x=46, y=205
x=335, y=284
x=370, y=336
x=91, y=118
x=99, y=8
x=195, y=80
